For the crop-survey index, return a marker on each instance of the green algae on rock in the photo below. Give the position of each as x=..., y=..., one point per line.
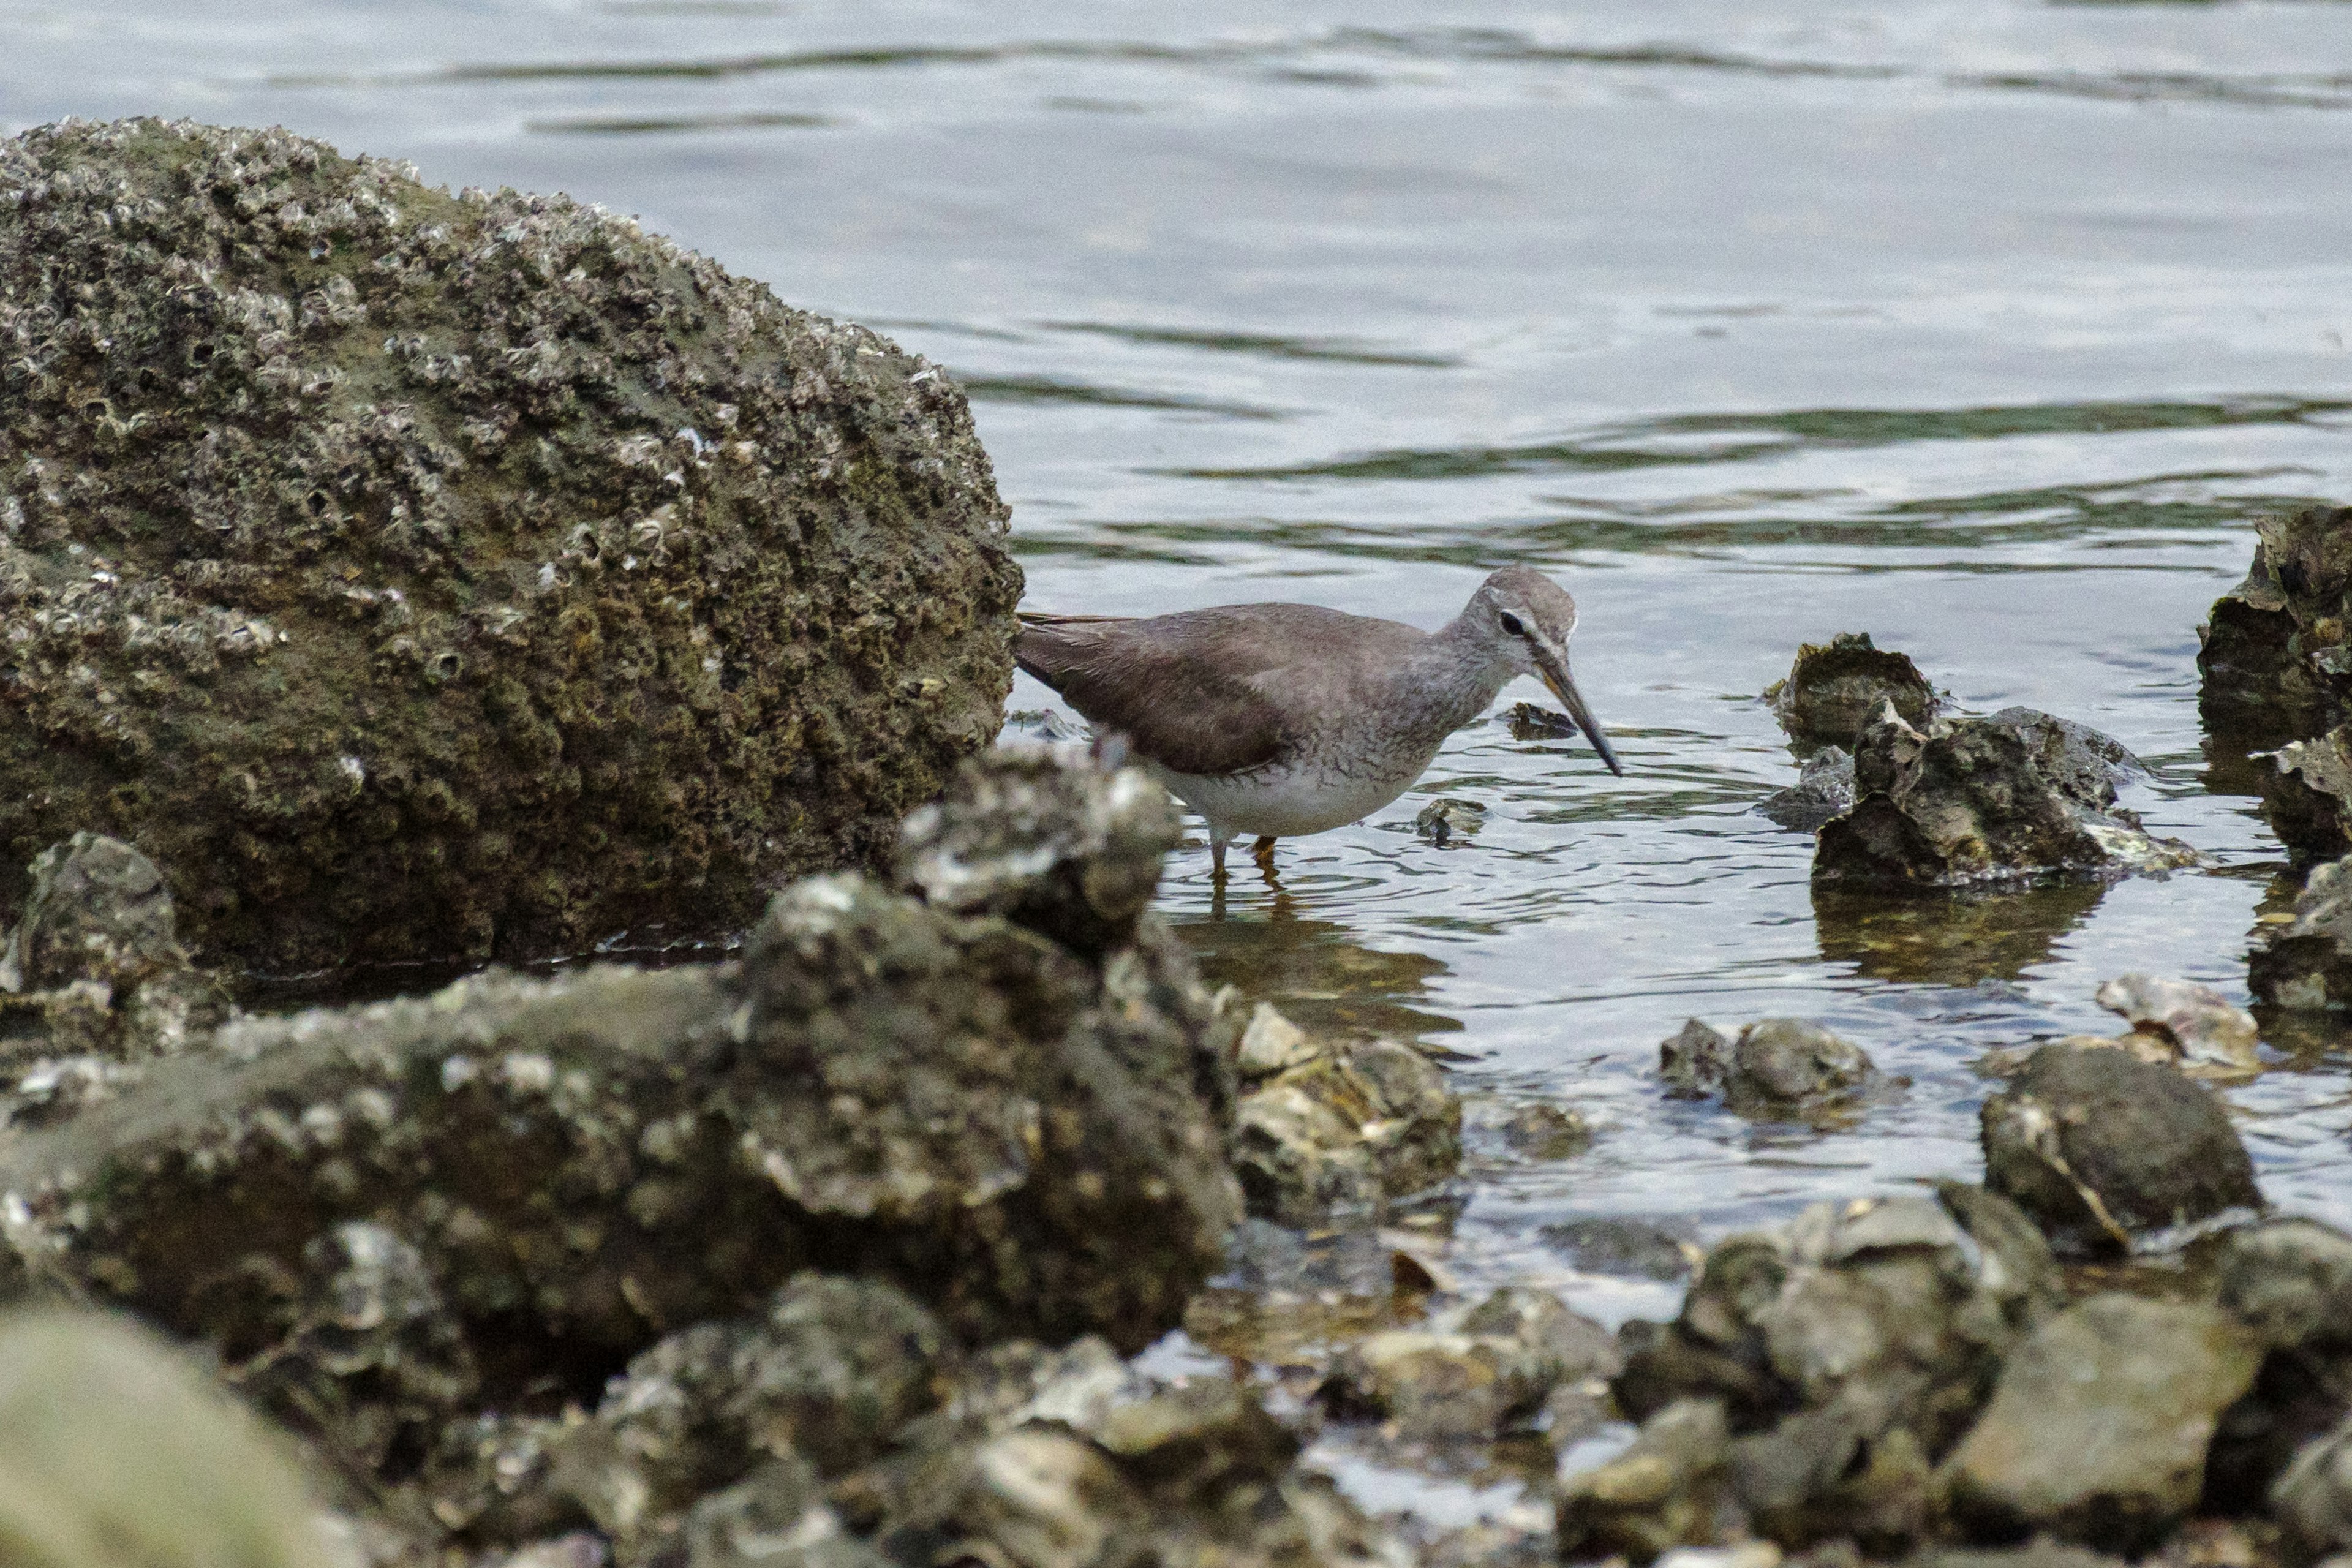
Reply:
x=417, y=575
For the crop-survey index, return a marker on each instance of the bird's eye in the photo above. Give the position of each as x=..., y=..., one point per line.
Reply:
x=1511, y=625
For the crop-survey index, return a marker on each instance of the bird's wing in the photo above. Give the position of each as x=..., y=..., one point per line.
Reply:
x=1183, y=688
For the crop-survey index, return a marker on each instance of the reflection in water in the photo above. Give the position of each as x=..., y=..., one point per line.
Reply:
x=1317, y=972
x=1948, y=939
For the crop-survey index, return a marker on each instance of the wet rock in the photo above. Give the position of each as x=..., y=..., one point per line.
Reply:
x=114, y=1450
x=1447, y=819
x=2314, y=1499
x=94, y=967
x=2307, y=795
x=1346, y=1131
x=2273, y=653
x=1778, y=1068
x=1836, y=1472
x=1967, y=801
x=1834, y=687
x=1271, y=1044
x=560, y=1170
x=2290, y=1282
x=1824, y=789
x=1894, y=1312
x=1533, y=722
x=2101, y=1148
x=428, y=577
x=1667, y=1489
x=1489, y=1372
x=1629, y=1249
x=1542, y=1131
x=2307, y=963
x=2098, y=1428
x=778, y=1518
x=2193, y=1025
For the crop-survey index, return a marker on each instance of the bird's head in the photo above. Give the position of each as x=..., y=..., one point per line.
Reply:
x=1526, y=619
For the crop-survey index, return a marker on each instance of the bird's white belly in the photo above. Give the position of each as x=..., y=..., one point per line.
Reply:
x=1285, y=802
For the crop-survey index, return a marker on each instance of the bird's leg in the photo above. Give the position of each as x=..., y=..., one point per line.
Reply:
x=1217, y=842
x=1262, y=851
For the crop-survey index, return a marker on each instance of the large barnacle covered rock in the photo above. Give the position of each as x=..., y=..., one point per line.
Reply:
x=419, y=575
x=1834, y=687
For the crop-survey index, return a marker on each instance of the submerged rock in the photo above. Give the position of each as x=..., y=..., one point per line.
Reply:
x=1349, y=1129
x=2020, y=793
x=1533, y=722
x=2098, y=1428
x=2273, y=652
x=1544, y=1132
x=417, y=576
x=1824, y=789
x=1445, y=819
x=550, y=1172
x=2101, y=1148
x=1834, y=687
x=2307, y=963
x=1777, y=1069
x=1629, y=1249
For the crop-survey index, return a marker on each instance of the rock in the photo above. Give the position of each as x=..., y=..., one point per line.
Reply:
x=1445, y=819
x=2314, y=1497
x=1666, y=1490
x=1892, y=1313
x=2101, y=1148
x=2098, y=1426
x=1271, y=1044
x=1831, y=1473
x=1778, y=1067
x=1347, y=1130
x=1834, y=687
x=1533, y=722
x=777, y=1517
x=1542, y=1131
x=2290, y=1282
x=2307, y=963
x=415, y=576
x=1975, y=800
x=2307, y=795
x=1825, y=788
x=1493, y=1371
x=2201, y=1027
x=558, y=1170
x=2039, y=1552
x=2271, y=654
x=114, y=1450
x=1630, y=1249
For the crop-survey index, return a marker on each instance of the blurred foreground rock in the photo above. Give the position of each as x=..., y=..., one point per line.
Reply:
x=1965, y=801
x=424, y=576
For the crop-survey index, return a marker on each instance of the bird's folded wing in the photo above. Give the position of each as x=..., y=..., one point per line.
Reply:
x=1158, y=685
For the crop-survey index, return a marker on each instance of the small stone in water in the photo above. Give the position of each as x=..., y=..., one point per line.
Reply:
x=2197, y=1019
x=1628, y=1248
x=1544, y=1132
x=1531, y=722
x=1446, y=818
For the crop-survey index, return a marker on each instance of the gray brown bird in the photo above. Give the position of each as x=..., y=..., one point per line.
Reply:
x=1281, y=720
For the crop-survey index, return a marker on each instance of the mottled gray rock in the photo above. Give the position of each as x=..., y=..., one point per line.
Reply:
x=1824, y=789
x=2307, y=963
x=1967, y=801
x=2290, y=1280
x=2100, y=1148
x=1347, y=1130
x=2314, y=1497
x=2203, y=1028
x=1667, y=1489
x=1491, y=1371
x=1778, y=1068
x=424, y=576
x=1633, y=1248
x=1834, y=687
x=776, y=1518
x=2307, y=795
x=1544, y=1131
x=2098, y=1428
x=2271, y=653
x=2039, y=1552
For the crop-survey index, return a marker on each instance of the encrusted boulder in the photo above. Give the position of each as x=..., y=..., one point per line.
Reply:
x=422, y=577
x=1962, y=801
x=1777, y=1068
x=1346, y=1127
x=2305, y=964
x=1834, y=687
x=2101, y=1148
x=2272, y=653
x=384, y=1217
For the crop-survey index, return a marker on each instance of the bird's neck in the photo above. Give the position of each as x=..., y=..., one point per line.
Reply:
x=1463, y=673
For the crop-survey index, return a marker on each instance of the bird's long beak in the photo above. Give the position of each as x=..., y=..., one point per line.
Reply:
x=1552, y=664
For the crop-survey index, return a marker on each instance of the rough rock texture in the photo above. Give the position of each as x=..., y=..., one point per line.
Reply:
x=499, y=1193
x=419, y=576
x=1778, y=1068
x=2272, y=653
x=2196, y=1024
x=2307, y=795
x=1824, y=789
x=2100, y=1147
x=1962, y=801
x=2314, y=1497
x=2289, y=1281
x=1347, y=1129
x=1834, y=687
x=1858, y=1326
x=1475, y=1379
x=2307, y=963
x=1668, y=1489
x=2098, y=1429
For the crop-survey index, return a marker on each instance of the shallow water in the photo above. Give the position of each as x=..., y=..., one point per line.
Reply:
x=1988, y=328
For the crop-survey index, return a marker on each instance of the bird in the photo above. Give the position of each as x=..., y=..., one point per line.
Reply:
x=1282, y=720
